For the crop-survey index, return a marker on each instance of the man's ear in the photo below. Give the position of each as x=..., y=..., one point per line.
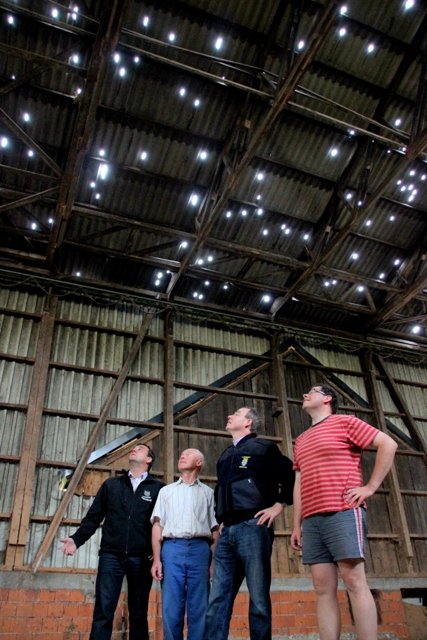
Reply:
x=149, y=460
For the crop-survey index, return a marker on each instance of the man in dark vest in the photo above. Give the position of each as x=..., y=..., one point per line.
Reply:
x=255, y=483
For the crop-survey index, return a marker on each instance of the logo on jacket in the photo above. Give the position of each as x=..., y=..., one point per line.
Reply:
x=244, y=462
x=147, y=496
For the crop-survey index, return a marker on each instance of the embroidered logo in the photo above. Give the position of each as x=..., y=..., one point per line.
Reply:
x=244, y=462
x=147, y=496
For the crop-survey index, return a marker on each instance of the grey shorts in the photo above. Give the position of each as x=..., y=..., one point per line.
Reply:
x=330, y=537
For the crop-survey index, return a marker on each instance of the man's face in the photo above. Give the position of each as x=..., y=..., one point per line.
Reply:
x=189, y=460
x=315, y=399
x=140, y=454
x=238, y=422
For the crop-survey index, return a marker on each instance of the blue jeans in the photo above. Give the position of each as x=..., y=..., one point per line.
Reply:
x=244, y=550
x=186, y=580
x=111, y=571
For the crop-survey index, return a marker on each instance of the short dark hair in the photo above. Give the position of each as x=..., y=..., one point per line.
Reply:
x=329, y=391
x=254, y=415
x=151, y=453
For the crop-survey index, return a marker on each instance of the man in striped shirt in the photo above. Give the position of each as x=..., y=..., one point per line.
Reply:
x=185, y=533
x=329, y=505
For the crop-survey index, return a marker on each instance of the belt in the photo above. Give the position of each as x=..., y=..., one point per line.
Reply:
x=204, y=538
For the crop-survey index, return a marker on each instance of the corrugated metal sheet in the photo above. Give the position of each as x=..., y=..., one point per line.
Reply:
x=11, y=431
x=104, y=314
x=8, y=475
x=18, y=336
x=15, y=381
x=218, y=335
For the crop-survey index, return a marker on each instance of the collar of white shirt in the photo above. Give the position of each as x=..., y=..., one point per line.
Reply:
x=137, y=481
x=196, y=481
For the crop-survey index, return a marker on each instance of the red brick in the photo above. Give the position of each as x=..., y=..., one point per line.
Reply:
x=40, y=609
x=8, y=609
x=29, y=595
x=390, y=595
x=55, y=609
x=71, y=610
x=47, y=596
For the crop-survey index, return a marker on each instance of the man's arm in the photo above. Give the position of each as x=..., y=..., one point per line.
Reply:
x=89, y=524
x=386, y=449
x=280, y=468
x=296, y=538
x=156, y=543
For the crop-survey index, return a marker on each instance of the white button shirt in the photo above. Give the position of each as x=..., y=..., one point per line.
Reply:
x=185, y=510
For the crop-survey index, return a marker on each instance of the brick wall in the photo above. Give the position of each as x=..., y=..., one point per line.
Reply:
x=65, y=614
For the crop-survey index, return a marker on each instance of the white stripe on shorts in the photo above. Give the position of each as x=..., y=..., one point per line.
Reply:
x=359, y=529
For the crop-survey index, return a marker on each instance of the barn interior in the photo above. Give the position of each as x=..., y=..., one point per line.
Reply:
x=206, y=205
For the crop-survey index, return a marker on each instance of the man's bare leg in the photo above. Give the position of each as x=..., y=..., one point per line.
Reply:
x=325, y=582
x=362, y=601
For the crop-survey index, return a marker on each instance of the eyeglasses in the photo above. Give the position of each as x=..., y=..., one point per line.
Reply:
x=316, y=391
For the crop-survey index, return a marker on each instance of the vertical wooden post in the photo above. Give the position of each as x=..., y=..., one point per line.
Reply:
x=398, y=515
x=282, y=408
x=168, y=391
x=20, y=520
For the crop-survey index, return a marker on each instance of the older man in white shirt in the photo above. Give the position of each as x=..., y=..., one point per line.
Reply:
x=184, y=535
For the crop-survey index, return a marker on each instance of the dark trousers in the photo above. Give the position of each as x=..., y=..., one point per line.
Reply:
x=243, y=551
x=111, y=571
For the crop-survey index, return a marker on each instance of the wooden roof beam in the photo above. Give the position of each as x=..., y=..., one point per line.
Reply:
x=106, y=40
x=322, y=28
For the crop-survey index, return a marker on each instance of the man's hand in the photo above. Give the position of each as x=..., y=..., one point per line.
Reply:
x=157, y=570
x=269, y=515
x=355, y=496
x=69, y=548
x=296, y=539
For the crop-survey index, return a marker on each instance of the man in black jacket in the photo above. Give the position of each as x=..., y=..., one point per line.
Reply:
x=125, y=503
x=255, y=483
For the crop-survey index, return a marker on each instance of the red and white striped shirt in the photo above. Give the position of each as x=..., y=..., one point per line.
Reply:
x=328, y=456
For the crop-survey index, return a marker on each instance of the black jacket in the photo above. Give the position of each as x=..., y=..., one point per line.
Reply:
x=252, y=475
x=127, y=529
